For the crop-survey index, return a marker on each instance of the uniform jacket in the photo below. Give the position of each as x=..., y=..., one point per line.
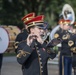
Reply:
x=72, y=45
x=20, y=37
x=64, y=36
x=34, y=58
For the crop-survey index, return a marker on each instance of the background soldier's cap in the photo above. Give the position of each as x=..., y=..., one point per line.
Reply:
x=28, y=17
x=61, y=21
x=67, y=22
x=37, y=21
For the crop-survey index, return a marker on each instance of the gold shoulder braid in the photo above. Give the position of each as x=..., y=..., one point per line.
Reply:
x=16, y=45
x=22, y=53
x=70, y=43
x=56, y=35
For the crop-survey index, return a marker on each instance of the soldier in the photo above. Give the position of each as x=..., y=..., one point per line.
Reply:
x=24, y=33
x=65, y=54
x=31, y=53
x=72, y=45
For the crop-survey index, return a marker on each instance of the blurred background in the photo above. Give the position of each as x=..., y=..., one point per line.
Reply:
x=11, y=11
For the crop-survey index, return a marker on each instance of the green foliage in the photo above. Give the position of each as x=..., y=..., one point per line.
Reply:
x=55, y=48
x=11, y=11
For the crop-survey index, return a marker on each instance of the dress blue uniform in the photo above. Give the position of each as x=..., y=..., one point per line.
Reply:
x=65, y=59
x=33, y=60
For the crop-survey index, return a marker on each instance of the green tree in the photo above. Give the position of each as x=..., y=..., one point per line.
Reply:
x=13, y=10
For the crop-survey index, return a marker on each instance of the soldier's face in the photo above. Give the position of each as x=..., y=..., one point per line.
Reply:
x=65, y=27
x=37, y=31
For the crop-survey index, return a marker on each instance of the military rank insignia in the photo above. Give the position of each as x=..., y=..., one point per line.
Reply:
x=56, y=35
x=67, y=36
x=64, y=37
x=70, y=43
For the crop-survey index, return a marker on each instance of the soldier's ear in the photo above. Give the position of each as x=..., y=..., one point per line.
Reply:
x=32, y=30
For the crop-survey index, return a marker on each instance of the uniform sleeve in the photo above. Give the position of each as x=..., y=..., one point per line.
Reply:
x=46, y=53
x=52, y=48
x=17, y=40
x=49, y=52
x=58, y=34
x=57, y=39
x=23, y=52
x=19, y=37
